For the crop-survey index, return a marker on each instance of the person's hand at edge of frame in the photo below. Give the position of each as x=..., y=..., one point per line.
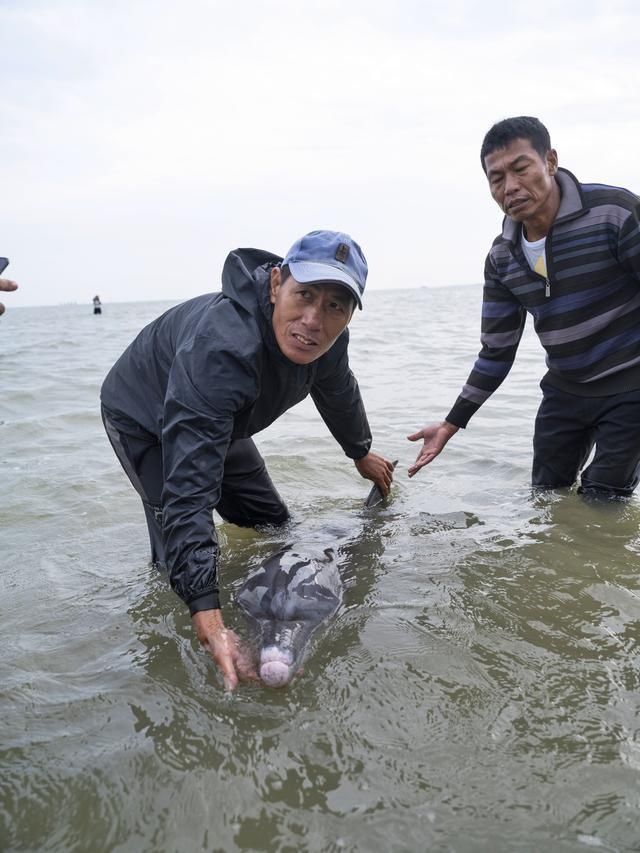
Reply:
x=378, y=469
x=225, y=648
x=8, y=286
x=434, y=436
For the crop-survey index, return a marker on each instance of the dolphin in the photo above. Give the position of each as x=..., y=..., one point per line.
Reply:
x=289, y=597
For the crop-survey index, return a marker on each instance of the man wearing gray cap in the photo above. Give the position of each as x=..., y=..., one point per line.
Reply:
x=182, y=402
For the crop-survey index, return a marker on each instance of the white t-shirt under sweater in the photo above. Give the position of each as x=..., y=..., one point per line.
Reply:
x=534, y=253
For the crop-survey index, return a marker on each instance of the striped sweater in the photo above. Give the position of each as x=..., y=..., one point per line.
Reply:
x=586, y=312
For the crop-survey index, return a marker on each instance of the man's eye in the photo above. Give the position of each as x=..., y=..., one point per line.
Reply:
x=337, y=307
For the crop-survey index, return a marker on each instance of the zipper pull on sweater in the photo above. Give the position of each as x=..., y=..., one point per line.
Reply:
x=547, y=287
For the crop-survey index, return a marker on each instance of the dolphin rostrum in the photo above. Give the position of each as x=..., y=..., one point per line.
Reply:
x=288, y=597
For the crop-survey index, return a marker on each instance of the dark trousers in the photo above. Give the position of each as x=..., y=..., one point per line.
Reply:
x=247, y=498
x=567, y=429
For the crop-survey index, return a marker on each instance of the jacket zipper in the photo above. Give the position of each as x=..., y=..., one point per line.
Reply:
x=547, y=280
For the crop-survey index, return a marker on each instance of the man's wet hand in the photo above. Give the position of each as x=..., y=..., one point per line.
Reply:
x=225, y=648
x=435, y=436
x=376, y=468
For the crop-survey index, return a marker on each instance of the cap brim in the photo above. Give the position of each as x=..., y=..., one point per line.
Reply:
x=307, y=272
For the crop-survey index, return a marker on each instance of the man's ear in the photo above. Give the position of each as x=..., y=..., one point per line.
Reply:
x=552, y=161
x=274, y=284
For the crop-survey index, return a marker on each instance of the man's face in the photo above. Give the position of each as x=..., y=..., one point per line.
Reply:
x=307, y=318
x=521, y=181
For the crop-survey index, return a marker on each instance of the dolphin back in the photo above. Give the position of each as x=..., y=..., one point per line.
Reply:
x=293, y=587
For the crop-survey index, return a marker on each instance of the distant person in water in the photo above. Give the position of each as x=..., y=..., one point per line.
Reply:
x=569, y=254
x=182, y=402
x=97, y=305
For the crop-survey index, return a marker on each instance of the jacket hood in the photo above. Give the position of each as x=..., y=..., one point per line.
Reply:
x=243, y=276
x=245, y=280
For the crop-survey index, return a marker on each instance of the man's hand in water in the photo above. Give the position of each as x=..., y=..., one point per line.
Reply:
x=435, y=437
x=224, y=647
x=378, y=469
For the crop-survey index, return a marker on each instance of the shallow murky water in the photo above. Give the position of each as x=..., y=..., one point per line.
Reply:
x=478, y=690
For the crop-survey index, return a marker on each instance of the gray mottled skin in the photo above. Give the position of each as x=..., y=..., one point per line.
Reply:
x=289, y=597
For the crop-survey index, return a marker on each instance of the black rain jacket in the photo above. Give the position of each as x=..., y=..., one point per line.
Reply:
x=209, y=371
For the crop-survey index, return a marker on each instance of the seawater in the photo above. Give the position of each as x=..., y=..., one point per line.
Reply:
x=478, y=690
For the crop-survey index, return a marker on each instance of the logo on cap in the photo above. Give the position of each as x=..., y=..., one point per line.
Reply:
x=342, y=253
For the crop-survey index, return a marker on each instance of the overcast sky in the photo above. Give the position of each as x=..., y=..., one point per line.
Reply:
x=142, y=140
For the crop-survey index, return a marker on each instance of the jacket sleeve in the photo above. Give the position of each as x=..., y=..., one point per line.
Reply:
x=207, y=388
x=503, y=319
x=336, y=395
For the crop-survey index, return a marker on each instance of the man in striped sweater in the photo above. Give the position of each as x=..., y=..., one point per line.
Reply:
x=569, y=254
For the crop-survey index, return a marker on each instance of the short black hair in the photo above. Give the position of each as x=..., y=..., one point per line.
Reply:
x=505, y=132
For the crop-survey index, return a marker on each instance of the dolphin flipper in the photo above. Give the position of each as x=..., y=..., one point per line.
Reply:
x=375, y=495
